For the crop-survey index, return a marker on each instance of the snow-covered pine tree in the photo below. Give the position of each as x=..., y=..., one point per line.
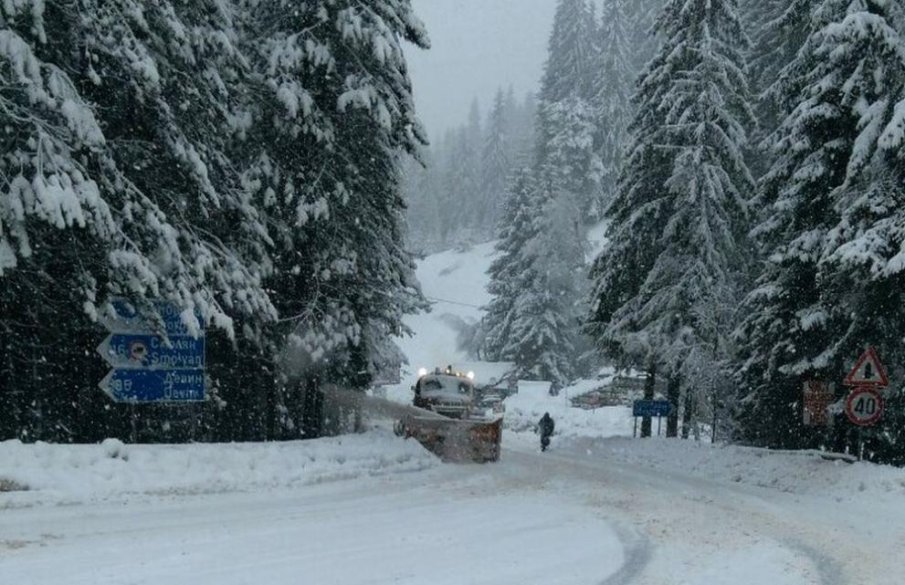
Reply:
x=334, y=115
x=178, y=70
x=826, y=197
x=495, y=163
x=571, y=154
x=779, y=29
x=544, y=325
x=466, y=171
x=542, y=328
x=666, y=286
x=570, y=53
x=524, y=116
x=460, y=188
x=56, y=228
x=421, y=185
x=613, y=83
x=643, y=37
x=861, y=270
x=150, y=157
x=567, y=72
x=510, y=270
x=470, y=179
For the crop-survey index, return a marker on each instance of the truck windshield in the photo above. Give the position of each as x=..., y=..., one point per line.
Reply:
x=446, y=384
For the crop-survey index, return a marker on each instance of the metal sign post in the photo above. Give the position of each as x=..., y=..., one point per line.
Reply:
x=864, y=405
x=651, y=408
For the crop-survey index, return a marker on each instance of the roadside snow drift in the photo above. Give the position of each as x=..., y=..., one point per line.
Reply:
x=74, y=473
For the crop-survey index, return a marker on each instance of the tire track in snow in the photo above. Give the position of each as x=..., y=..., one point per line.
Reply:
x=637, y=550
x=661, y=509
x=829, y=571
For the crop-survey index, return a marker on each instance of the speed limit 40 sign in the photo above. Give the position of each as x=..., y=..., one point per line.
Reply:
x=864, y=406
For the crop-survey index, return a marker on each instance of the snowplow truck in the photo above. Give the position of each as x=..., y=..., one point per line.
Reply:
x=451, y=426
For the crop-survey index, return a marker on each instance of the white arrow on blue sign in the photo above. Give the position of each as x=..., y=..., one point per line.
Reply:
x=154, y=385
x=141, y=350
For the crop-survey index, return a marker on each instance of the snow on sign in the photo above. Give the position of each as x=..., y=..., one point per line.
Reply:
x=864, y=406
x=125, y=318
x=868, y=371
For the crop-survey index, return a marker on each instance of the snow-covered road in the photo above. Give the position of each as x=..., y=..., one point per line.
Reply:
x=567, y=516
x=448, y=525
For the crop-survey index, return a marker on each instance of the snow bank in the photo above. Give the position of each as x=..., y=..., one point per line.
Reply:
x=797, y=472
x=73, y=473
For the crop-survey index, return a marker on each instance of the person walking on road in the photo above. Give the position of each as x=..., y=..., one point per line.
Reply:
x=545, y=426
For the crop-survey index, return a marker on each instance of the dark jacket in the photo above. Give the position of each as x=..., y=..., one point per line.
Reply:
x=546, y=425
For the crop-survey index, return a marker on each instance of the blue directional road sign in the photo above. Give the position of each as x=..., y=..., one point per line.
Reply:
x=141, y=350
x=154, y=359
x=651, y=408
x=126, y=319
x=154, y=385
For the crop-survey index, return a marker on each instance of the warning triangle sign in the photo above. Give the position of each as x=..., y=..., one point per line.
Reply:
x=868, y=371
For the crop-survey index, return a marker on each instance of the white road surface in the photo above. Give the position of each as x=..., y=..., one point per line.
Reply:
x=562, y=517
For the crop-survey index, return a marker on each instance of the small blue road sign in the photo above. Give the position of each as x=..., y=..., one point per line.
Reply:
x=140, y=350
x=154, y=385
x=651, y=408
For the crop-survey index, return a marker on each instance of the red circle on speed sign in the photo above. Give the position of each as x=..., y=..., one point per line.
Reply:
x=864, y=406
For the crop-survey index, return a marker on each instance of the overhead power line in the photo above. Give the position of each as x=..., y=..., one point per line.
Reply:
x=434, y=301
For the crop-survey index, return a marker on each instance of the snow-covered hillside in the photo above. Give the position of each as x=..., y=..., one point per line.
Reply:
x=454, y=282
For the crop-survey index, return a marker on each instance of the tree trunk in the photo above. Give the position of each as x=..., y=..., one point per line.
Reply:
x=648, y=395
x=673, y=390
x=687, y=414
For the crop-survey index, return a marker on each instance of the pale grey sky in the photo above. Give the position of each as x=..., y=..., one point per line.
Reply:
x=477, y=46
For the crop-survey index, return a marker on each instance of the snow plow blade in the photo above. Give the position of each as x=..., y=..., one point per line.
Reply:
x=455, y=440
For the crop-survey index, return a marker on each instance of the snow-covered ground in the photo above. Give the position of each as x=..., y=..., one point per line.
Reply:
x=599, y=508
x=605, y=510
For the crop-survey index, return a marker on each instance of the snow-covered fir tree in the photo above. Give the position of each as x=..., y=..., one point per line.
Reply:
x=571, y=154
x=495, y=161
x=543, y=330
x=566, y=170
x=146, y=151
x=779, y=29
x=511, y=269
x=566, y=82
x=666, y=287
x=523, y=117
x=827, y=287
x=570, y=53
x=212, y=155
x=613, y=86
x=642, y=16
x=337, y=72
